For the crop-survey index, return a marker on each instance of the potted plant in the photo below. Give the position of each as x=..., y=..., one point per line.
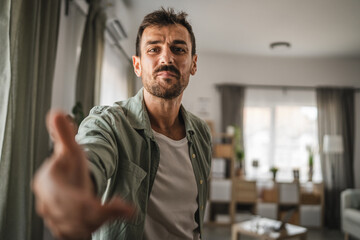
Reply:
x=310, y=151
x=274, y=170
x=239, y=152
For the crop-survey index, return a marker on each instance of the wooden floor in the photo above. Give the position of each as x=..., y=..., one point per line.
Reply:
x=223, y=233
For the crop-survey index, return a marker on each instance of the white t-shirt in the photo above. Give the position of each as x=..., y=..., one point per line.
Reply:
x=172, y=204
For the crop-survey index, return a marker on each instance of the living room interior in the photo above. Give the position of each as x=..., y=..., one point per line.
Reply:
x=278, y=83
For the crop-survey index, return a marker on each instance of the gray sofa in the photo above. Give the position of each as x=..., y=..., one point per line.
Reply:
x=350, y=212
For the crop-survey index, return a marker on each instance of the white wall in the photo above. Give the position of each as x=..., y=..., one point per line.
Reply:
x=212, y=69
x=217, y=68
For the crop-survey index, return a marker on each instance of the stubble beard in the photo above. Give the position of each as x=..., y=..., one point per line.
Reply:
x=174, y=91
x=155, y=89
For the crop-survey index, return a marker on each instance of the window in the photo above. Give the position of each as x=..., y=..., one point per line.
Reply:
x=278, y=125
x=114, y=75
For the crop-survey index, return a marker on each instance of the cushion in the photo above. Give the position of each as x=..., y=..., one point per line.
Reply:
x=352, y=215
x=355, y=200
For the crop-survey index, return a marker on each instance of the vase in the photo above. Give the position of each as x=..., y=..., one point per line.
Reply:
x=239, y=172
x=274, y=176
x=310, y=173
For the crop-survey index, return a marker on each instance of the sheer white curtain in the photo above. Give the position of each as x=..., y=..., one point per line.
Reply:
x=278, y=125
x=67, y=59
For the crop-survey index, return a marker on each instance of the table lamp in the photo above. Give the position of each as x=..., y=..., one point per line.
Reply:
x=333, y=144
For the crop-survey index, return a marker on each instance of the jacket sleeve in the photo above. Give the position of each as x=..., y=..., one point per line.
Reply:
x=97, y=138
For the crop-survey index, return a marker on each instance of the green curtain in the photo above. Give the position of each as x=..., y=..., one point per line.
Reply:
x=232, y=113
x=91, y=58
x=232, y=105
x=336, y=115
x=5, y=73
x=33, y=35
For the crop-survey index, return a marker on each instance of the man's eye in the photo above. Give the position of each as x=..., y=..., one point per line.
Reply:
x=178, y=49
x=153, y=50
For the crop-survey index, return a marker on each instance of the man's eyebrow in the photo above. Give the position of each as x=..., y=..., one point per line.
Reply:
x=152, y=42
x=179, y=42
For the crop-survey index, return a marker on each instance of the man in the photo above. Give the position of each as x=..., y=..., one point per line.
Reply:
x=153, y=154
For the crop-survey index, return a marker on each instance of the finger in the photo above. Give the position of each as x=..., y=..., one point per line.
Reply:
x=62, y=132
x=39, y=206
x=117, y=208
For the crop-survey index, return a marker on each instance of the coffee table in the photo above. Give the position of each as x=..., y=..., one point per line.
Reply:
x=262, y=228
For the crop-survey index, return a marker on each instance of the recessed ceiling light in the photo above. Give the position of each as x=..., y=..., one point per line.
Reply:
x=280, y=46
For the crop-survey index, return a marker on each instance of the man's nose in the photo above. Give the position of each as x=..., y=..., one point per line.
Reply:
x=167, y=57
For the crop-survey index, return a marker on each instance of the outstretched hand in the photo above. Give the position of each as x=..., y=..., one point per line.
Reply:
x=64, y=191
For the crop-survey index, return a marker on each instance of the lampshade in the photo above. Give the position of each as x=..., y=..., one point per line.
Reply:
x=333, y=144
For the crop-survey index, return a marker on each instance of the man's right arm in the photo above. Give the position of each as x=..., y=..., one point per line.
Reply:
x=64, y=189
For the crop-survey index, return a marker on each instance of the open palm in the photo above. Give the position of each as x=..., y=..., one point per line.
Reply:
x=64, y=191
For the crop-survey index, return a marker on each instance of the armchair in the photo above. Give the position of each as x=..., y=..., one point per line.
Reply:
x=350, y=212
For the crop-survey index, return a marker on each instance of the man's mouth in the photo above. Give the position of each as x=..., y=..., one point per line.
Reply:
x=167, y=71
x=166, y=74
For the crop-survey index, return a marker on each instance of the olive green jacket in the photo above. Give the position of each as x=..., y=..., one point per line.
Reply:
x=123, y=154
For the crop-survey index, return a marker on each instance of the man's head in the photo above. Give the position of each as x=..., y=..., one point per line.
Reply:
x=162, y=18
x=165, y=56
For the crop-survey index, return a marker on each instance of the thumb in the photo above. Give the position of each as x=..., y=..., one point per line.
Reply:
x=62, y=131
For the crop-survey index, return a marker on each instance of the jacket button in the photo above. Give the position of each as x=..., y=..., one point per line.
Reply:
x=201, y=181
x=193, y=155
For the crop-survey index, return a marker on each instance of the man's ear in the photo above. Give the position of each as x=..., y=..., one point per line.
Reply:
x=137, y=65
x=193, y=65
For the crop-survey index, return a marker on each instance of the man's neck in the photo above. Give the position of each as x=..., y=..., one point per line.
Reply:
x=165, y=115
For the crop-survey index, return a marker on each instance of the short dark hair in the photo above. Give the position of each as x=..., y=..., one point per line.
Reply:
x=162, y=18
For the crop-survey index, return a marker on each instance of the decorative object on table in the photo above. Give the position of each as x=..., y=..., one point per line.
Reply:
x=263, y=228
x=255, y=165
x=274, y=170
x=230, y=130
x=311, y=152
x=239, y=151
x=296, y=174
x=333, y=145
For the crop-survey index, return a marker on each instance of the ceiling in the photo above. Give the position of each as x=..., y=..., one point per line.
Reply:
x=314, y=28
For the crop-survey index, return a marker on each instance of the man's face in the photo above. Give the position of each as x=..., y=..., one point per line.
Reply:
x=166, y=63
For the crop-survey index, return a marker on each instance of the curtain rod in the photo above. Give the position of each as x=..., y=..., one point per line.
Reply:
x=306, y=88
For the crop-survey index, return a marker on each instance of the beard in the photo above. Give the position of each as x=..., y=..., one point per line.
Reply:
x=176, y=88
x=174, y=91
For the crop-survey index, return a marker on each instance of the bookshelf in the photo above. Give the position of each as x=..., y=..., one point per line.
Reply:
x=221, y=201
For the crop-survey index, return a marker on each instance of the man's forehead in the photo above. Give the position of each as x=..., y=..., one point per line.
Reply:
x=169, y=32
